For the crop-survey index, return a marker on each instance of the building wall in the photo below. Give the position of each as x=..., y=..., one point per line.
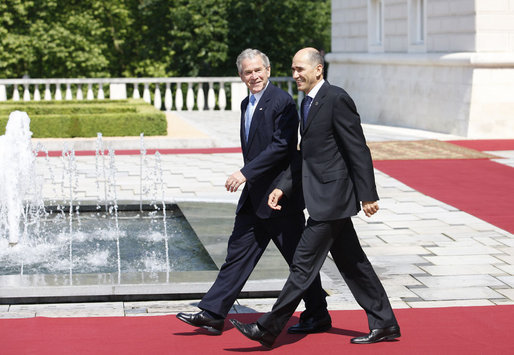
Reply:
x=404, y=98
x=492, y=103
x=395, y=25
x=451, y=26
x=495, y=26
x=459, y=79
x=349, y=26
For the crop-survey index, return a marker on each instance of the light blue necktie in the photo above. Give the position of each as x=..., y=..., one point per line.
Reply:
x=248, y=115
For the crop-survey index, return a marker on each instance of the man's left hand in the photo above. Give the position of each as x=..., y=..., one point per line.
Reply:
x=370, y=207
x=234, y=181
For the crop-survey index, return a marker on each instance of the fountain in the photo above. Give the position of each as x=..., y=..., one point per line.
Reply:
x=70, y=242
x=17, y=162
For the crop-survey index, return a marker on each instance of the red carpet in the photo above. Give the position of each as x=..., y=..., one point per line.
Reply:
x=484, y=145
x=479, y=187
x=58, y=153
x=465, y=330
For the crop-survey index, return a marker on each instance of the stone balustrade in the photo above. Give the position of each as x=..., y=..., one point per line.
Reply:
x=196, y=93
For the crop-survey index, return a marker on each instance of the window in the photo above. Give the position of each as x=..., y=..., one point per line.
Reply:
x=417, y=25
x=375, y=26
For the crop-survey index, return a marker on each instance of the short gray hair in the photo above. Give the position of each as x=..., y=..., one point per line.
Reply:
x=250, y=53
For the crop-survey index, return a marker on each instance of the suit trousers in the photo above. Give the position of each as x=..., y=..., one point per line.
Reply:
x=338, y=237
x=249, y=239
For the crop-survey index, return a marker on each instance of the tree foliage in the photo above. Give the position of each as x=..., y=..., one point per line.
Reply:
x=98, y=38
x=278, y=28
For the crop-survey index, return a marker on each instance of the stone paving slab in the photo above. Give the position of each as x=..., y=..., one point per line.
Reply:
x=159, y=307
x=463, y=260
x=483, y=269
x=509, y=269
x=509, y=280
x=450, y=303
x=456, y=293
x=100, y=309
x=464, y=250
x=459, y=281
x=507, y=157
x=11, y=314
x=508, y=293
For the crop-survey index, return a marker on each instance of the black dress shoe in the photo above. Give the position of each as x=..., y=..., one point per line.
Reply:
x=203, y=320
x=311, y=325
x=254, y=332
x=379, y=334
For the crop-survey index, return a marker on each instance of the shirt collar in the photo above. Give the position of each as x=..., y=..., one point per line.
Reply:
x=315, y=89
x=260, y=93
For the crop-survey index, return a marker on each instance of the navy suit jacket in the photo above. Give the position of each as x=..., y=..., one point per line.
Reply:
x=336, y=166
x=272, y=142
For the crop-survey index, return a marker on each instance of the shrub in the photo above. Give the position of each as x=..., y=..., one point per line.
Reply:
x=74, y=118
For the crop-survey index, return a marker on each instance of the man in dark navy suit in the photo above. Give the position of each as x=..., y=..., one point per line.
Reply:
x=269, y=126
x=336, y=177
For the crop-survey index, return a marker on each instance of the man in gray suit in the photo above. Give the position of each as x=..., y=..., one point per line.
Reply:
x=336, y=176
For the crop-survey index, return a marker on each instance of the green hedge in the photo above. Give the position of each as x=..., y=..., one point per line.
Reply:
x=66, y=109
x=68, y=119
x=74, y=102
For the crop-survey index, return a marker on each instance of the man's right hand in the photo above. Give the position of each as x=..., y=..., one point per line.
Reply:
x=234, y=181
x=274, y=198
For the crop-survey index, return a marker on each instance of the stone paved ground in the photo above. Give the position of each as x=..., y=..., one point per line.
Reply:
x=427, y=253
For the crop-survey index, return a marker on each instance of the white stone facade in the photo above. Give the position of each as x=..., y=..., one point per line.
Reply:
x=444, y=66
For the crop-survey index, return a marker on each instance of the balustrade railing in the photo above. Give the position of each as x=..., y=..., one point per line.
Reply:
x=179, y=93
